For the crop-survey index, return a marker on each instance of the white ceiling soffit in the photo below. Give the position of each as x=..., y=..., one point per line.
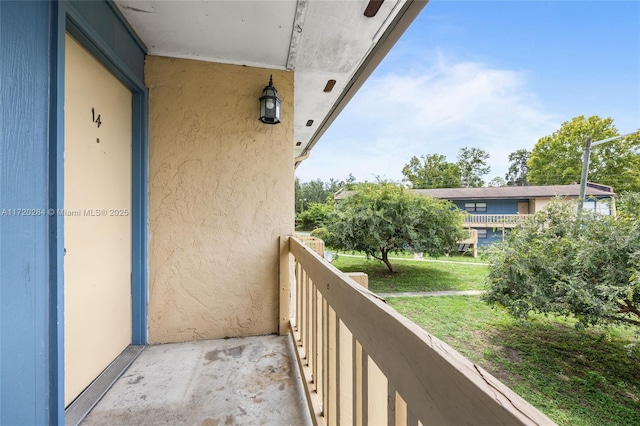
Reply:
x=255, y=33
x=335, y=40
x=320, y=40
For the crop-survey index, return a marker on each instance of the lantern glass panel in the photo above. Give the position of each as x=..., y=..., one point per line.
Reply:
x=263, y=108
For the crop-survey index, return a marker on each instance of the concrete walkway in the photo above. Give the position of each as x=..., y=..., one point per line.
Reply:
x=432, y=293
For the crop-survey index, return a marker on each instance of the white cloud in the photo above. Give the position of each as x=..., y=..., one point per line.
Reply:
x=434, y=110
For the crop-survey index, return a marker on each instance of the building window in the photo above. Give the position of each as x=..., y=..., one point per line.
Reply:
x=482, y=234
x=599, y=206
x=475, y=207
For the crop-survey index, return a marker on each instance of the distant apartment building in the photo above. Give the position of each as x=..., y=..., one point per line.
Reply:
x=495, y=210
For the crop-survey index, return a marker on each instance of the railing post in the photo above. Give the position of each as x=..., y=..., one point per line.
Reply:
x=345, y=374
x=299, y=297
x=356, y=382
x=377, y=397
x=400, y=410
x=315, y=329
x=391, y=405
x=308, y=321
x=305, y=329
x=316, y=301
x=285, y=286
x=326, y=378
x=364, y=388
x=334, y=367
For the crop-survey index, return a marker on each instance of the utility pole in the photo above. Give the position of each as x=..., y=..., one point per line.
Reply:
x=585, y=164
x=585, y=173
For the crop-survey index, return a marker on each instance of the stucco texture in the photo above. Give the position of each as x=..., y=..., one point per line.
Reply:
x=221, y=195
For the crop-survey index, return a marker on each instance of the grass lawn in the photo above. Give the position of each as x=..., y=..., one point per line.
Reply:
x=576, y=377
x=408, y=255
x=416, y=275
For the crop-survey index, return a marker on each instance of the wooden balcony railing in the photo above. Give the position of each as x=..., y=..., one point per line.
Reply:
x=497, y=219
x=365, y=364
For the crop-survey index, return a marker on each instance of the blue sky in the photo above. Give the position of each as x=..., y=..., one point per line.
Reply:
x=496, y=75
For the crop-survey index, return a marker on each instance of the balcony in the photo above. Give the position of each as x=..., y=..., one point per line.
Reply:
x=495, y=220
x=238, y=381
x=344, y=358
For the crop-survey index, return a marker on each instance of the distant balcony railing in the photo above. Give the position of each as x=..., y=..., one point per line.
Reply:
x=472, y=237
x=365, y=364
x=497, y=219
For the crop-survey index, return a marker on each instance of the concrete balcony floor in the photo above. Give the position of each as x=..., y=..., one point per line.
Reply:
x=237, y=381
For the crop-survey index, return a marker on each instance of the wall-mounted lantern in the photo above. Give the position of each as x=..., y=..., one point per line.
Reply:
x=270, y=104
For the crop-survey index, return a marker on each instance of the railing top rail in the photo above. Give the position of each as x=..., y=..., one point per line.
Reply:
x=497, y=217
x=524, y=216
x=439, y=384
x=497, y=214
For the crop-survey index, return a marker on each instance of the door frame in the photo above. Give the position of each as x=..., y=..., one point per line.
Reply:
x=66, y=17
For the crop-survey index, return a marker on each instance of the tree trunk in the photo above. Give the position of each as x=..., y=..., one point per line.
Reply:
x=385, y=259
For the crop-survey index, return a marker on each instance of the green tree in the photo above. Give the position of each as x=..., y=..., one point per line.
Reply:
x=382, y=218
x=431, y=171
x=629, y=206
x=315, y=216
x=309, y=192
x=472, y=163
x=317, y=191
x=349, y=183
x=333, y=185
x=557, y=159
x=497, y=182
x=518, y=169
x=559, y=263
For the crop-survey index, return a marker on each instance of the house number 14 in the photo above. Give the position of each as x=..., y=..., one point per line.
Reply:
x=94, y=118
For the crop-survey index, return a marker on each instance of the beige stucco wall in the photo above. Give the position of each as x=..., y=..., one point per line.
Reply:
x=542, y=202
x=221, y=194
